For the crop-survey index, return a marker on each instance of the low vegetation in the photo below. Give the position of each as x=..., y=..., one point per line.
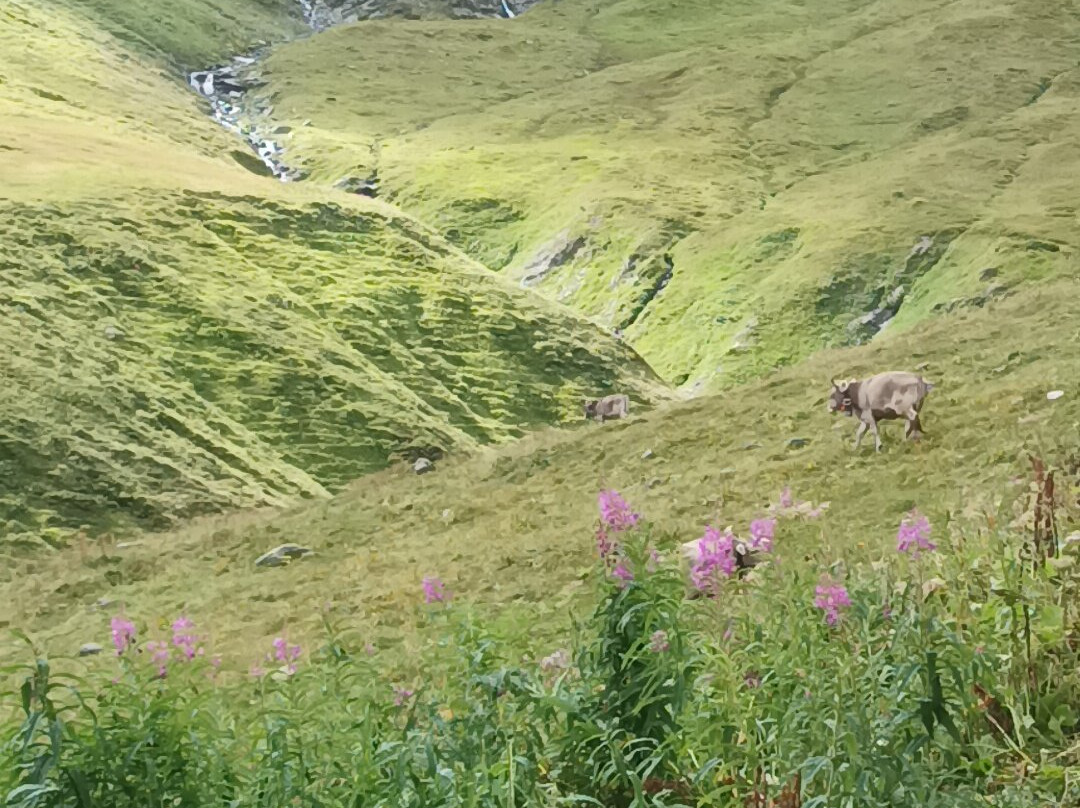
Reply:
x=945, y=675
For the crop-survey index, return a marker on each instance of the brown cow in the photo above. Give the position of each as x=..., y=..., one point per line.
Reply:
x=884, y=397
x=617, y=406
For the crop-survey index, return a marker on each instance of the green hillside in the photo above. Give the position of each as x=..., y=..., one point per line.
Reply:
x=510, y=530
x=199, y=364
x=182, y=336
x=736, y=184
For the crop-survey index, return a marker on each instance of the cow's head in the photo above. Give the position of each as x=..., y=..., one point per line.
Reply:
x=590, y=408
x=840, y=397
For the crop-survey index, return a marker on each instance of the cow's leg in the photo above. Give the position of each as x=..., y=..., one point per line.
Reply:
x=859, y=434
x=877, y=435
x=913, y=427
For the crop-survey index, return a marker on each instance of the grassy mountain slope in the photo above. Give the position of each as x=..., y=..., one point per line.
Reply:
x=509, y=530
x=191, y=33
x=181, y=336
x=737, y=184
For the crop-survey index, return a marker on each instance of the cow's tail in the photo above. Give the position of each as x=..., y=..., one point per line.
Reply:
x=927, y=386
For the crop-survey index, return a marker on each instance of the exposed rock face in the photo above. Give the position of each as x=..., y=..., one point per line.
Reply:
x=559, y=252
x=322, y=14
x=225, y=87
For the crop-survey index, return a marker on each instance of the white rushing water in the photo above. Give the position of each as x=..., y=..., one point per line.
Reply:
x=226, y=85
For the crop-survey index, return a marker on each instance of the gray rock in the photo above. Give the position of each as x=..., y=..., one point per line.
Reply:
x=647, y=454
x=113, y=332
x=282, y=555
x=423, y=466
x=797, y=443
x=556, y=253
x=90, y=649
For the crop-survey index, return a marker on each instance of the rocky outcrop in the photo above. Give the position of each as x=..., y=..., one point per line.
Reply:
x=225, y=87
x=322, y=14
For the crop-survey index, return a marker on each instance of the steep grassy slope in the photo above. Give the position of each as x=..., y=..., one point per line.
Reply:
x=190, y=33
x=509, y=530
x=181, y=336
x=736, y=184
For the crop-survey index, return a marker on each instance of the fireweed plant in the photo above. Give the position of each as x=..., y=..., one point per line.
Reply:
x=943, y=675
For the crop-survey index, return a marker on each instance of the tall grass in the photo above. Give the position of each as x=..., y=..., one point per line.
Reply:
x=944, y=676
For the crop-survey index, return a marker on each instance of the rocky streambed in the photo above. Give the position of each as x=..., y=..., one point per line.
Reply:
x=226, y=86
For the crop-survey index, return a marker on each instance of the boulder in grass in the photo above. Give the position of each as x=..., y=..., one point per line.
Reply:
x=282, y=555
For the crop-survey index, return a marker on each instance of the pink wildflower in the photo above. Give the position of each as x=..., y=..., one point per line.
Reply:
x=786, y=499
x=761, y=534
x=286, y=654
x=402, y=695
x=615, y=513
x=159, y=655
x=123, y=634
x=622, y=574
x=434, y=591
x=831, y=598
x=913, y=536
x=715, y=553
x=369, y=649
x=184, y=639
x=658, y=643
x=605, y=545
x=257, y=671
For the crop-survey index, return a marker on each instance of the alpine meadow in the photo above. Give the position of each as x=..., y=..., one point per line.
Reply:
x=454, y=403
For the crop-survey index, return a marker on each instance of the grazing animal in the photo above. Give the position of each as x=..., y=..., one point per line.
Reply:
x=617, y=406
x=884, y=397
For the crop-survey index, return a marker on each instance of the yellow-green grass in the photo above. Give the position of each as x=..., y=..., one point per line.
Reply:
x=787, y=156
x=510, y=530
x=181, y=336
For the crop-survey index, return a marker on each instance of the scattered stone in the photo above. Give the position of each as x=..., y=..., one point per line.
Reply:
x=423, y=466
x=104, y=603
x=123, y=545
x=113, y=332
x=368, y=186
x=1054, y=395
x=922, y=366
x=282, y=555
x=647, y=454
x=797, y=443
x=90, y=649
x=558, y=252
